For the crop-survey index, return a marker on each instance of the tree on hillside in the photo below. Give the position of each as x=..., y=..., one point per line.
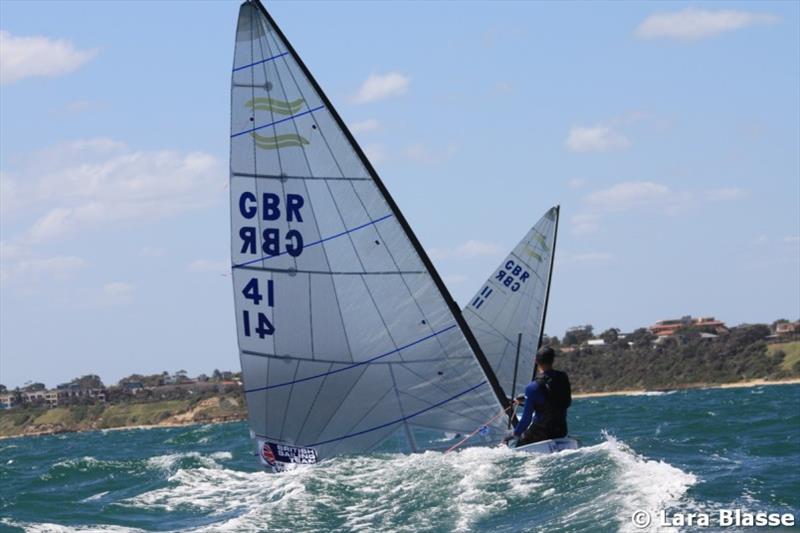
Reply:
x=34, y=387
x=2, y=388
x=610, y=335
x=748, y=334
x=640, y=338
x=89, y=381
x=577, y=335
x=550, y=341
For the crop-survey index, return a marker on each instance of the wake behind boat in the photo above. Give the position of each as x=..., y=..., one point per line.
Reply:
x=549, y=446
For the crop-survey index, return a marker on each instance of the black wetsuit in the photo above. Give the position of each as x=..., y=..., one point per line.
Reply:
x=550, y=395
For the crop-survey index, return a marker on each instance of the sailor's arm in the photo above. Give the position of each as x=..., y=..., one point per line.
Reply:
x=527, y=412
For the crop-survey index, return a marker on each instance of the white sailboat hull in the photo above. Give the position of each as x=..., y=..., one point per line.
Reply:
x=549, y=446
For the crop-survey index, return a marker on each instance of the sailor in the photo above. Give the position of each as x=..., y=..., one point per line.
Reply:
x=549, y=395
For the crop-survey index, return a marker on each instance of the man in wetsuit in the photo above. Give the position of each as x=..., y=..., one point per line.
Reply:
x=549, y=395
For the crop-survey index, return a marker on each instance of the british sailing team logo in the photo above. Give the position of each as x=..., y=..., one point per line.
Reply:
x=277, y=107
x=267, y=454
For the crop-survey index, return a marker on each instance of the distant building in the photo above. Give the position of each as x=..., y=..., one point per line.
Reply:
x=8, y=400
x=665, y=328
x=787, y=328
x=133, y=387
x=68, y=392
x=595, y=342
x=34, y=397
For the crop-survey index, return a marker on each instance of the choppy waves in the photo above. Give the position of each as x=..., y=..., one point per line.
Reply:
x=431, y=491
x=660, y=453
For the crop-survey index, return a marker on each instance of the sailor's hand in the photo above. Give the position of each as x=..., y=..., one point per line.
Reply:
x=520, y=399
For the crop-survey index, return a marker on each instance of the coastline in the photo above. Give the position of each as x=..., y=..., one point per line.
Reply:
x=221, y=420
x=183, y=421
x=733, y=385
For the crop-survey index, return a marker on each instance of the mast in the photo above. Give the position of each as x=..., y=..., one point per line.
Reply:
x=516, y=366
x=491, y=378
x=549, y=282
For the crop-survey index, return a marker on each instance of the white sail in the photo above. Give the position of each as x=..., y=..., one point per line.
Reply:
x=346, y=333
x=510, y=307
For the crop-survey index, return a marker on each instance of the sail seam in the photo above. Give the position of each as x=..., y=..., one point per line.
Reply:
x=309, y=245
x=292, y=117
x=332, y=272
x=399, y=420
x=311, y=360
x=285, y=177
x=354, y=365
x=259, y=62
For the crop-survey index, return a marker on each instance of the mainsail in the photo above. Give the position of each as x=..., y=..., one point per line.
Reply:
x=507, y=314
x=347, y=335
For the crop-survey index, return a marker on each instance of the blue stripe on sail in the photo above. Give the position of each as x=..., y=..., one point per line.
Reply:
x=354, y=365
x=412, y=415
x=259, y=62
x=251, y=130
x=309, y=245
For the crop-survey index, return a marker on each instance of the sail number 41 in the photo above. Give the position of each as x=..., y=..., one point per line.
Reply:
x=251, y=292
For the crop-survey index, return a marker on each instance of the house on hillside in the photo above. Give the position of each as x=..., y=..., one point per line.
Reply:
x=784, y=329
x=8, y=400
x=710, y=325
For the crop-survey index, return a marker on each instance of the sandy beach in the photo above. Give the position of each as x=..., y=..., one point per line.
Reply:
x=736, y=385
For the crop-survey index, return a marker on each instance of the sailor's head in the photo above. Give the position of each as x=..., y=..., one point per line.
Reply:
x=545, y=357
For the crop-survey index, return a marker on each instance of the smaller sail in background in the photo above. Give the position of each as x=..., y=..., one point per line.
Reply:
x=513, y=301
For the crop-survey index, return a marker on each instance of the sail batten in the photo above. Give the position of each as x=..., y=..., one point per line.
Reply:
x=402, y=419
x=354, y=365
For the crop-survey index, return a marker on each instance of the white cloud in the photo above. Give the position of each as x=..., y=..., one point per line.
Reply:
x=576, y=183
x=209, y=265
x=421, y=153
x=117, y=292
x=470, y=248
x=503, y=87
x=365, y=126
x=381, y=86
x=152, y=251
x=95, y=182
x=76, y=107
x=584, y=223
x=692, y=24
x=27, y=57
x=652, y=196
x=375, y=152
x=629, y=194
x=726, y=193
x=51, y=268
x=592, y=258
x=596, y=139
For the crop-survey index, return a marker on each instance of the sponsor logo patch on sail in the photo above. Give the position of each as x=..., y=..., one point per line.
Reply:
x=273, y=453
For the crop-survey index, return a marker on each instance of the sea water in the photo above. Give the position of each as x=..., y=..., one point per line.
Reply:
x=695, y=451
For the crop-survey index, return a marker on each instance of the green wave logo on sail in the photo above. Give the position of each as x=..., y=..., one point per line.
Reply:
x=281, y=107
x=541, y=240
x=279, y=141
x=533, y=254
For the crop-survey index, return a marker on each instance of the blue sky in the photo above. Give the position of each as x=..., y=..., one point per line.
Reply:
x=668, y=132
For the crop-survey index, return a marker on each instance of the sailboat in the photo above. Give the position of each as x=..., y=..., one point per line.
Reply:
x=348, y=338
x=508, y=313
